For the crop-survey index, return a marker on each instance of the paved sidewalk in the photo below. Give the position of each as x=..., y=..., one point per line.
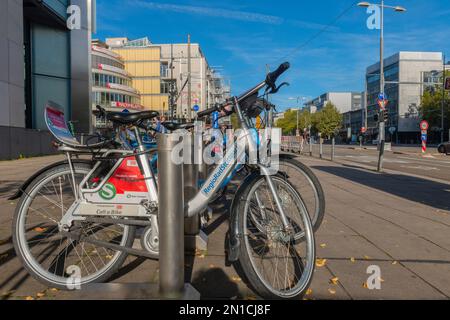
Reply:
x=397, y=222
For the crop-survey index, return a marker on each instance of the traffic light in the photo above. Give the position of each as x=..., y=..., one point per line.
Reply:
x=386, y=116
x=376, y=117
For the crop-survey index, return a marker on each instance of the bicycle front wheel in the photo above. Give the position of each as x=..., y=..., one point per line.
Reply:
x=278, y=264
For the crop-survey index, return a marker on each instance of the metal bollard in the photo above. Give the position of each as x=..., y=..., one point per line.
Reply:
x=195, y=239
x=190, y=177
x=333, y=148
x=321, y=146
x=171, y=218
x=310, y=146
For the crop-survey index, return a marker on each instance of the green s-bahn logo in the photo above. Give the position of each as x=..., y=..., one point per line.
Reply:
x=108, y=192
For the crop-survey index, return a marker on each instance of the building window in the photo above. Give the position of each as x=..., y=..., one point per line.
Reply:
x=165, y=87
x=164, y=69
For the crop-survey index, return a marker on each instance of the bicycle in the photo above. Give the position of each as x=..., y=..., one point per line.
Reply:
x=80, y=216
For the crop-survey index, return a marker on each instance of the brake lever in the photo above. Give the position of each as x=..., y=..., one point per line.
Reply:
x=276, y=89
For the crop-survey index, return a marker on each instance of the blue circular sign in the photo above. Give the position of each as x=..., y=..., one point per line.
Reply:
x=196, y=108
x=382, y=96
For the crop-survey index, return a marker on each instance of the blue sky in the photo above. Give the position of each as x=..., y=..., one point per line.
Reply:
x=244, y=36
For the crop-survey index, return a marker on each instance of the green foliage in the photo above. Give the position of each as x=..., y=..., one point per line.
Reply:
x=431, y=105
x=289, y=123
x=328, y=120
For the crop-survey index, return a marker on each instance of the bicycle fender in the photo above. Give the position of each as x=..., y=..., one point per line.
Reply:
x=25, y=185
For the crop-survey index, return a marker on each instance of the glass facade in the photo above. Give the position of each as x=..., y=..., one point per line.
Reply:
x=391, y=73
x=50, y=72
x=96, y=60
x=101, y=80
x=105, y=98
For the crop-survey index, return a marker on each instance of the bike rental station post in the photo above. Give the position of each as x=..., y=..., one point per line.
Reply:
x=171, y=222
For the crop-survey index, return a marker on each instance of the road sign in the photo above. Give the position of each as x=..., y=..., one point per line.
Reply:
x=382, y=96
x=363, y=130
x=196, y=108
x=424, y=137
x=424, y=125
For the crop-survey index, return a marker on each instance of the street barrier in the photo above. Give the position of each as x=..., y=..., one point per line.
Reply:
x=298, y=144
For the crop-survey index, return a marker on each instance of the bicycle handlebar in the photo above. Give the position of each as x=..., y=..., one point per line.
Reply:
x=270, y=82
x=272, y=77
x=207, y=112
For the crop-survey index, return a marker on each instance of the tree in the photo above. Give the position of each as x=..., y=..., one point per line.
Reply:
x=328, y=120
x=289, y=122
x=431, y=105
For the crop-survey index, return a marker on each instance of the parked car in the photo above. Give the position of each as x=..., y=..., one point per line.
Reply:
x=444, y=148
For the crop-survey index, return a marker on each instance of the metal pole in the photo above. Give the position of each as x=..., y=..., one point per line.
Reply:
x=171, y=218
x=189, y=80
x=190, y=177
x=321, y=146
x=333, y=145
x=298, y=111
x=310, y=142
x=381, y=125
x=443, y=101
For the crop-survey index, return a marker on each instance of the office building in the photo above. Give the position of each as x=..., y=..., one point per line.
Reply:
x=112, y=85
x=404, y=75
x=160, y=73
x=41, y=60
x=142, y=61
x=343, y=101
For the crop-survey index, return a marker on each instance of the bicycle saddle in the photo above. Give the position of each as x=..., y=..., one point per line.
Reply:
x=131, y=118
x=173, y=126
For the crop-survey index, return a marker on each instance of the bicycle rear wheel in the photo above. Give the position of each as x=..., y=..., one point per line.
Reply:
x=56, y=259
x=307, y=185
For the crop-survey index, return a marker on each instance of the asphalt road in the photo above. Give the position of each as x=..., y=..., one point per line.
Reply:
x=402, y=159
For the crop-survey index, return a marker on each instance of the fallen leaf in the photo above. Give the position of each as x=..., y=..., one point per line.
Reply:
x=250, y=298
x=236, y=279
x=212, y=266
x=40, y=295
x=320, y=262
x=334, y=281
x=29, y=298
x=40, y=230
x=394, y=263
x=366, y=257
x=332, y=291
x=323, y=245
x=54, y=290
x=381, y=279
x=352, y=260
x=365, y=285
x=109, y=257
x=309, y=292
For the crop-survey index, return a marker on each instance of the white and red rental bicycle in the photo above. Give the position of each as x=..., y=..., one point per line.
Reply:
x=82, y=214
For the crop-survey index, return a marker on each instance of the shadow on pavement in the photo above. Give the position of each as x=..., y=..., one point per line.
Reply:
x=215, y=284
x=428, y=192
x=7, y=189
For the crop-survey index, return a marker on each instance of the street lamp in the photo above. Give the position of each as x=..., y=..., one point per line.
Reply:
x=298, y=111
x=382, y=130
